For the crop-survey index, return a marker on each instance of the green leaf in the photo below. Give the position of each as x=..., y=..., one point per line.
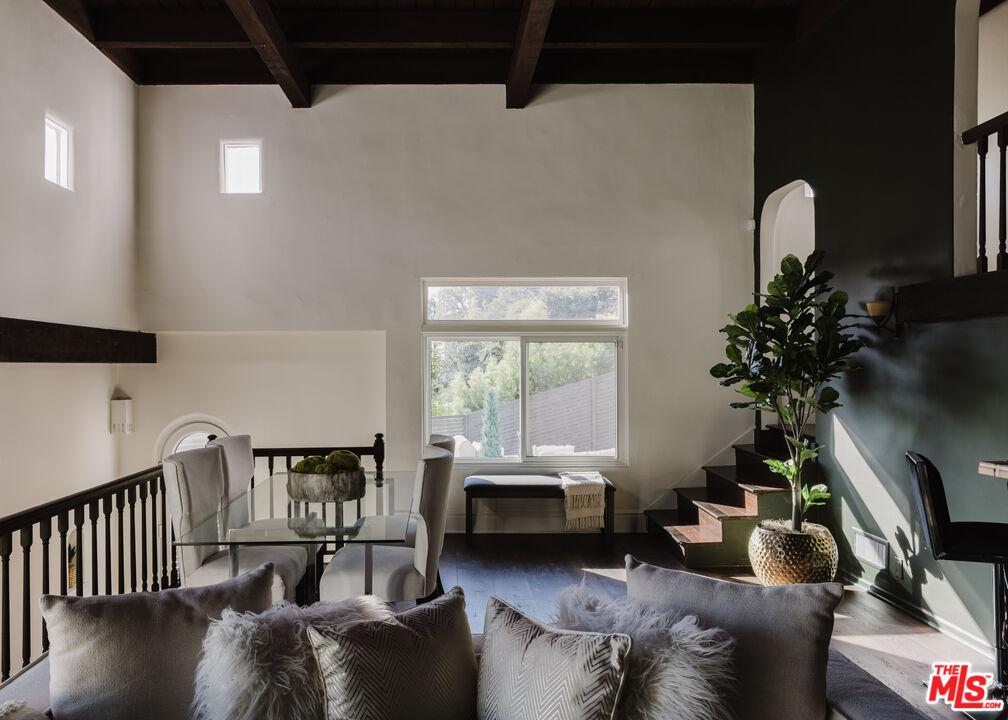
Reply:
x=720, y=370
x=828, y=396
x=791, y=265
x=782, y=467
x=733, y=354
x=814, y=496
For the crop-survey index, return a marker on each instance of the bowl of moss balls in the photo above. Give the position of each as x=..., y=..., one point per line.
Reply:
x=337, y=477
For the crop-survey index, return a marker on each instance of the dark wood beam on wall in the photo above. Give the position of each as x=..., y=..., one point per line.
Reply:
x=257, y=19
x=958, y=298
x=31, y=341
x=532, y=26
x=74, y=12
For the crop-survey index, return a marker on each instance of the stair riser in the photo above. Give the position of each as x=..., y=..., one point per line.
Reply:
x=656, y=529
x=689, y=514
x=711, y=524
x=756, y=471
x=730, y=493
x=732, y=552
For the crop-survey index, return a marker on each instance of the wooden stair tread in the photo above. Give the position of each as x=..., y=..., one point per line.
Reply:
x=699, y=497
x=731, y=473
x=682, y=534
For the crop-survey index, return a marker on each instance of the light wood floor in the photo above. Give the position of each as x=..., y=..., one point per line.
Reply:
x=528, y=571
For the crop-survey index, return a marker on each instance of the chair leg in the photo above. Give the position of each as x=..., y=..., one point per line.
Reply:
x=438, y=592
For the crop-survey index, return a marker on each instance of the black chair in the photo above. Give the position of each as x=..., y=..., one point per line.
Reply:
x=984, y=542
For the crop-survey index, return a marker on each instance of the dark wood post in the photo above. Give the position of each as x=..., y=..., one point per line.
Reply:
x=982, y=218
x=1002, y=256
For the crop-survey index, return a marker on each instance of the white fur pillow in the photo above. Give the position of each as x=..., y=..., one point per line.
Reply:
x=677, y=669
x=261, y=666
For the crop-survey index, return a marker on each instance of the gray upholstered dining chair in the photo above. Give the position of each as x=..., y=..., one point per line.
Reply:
x=445, y=442
x=195, y=490
x=239, y=467
x=400, y=572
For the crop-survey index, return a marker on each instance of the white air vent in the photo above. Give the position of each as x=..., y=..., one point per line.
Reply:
x=873, y=550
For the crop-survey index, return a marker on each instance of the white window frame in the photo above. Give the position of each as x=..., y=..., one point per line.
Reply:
x=524, y=332
x=224, y=145
x=477, y=325
x=64, y=151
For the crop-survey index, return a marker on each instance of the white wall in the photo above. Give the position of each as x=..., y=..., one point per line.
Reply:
x=66, y=256
x=376, y=187
x=992, y=82
x=787, y=226
x=992, y=100
x=284, y=389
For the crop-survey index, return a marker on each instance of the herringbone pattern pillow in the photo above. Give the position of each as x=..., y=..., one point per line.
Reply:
x=418, y=664
x=530, y=671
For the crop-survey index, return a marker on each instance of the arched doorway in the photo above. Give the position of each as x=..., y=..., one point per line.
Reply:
x=787, y=226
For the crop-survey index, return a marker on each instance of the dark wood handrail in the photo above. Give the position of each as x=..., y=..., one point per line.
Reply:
x=985, y=129
x=123, y=532
x=14, y=523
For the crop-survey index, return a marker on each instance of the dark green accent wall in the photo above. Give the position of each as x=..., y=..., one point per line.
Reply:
x=863, y=111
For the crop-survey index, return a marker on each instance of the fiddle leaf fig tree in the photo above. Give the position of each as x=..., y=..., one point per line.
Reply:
x=782, y=355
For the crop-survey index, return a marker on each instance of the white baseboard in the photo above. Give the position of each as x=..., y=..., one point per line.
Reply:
x=981, y=645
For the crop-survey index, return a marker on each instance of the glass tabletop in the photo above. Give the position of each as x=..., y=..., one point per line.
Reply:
x=266, y=515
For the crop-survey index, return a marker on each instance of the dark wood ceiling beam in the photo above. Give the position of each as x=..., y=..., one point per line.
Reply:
x=257, y=19
x=532, y=28
x=569, y=28
x=74, y=12
x=35, y=341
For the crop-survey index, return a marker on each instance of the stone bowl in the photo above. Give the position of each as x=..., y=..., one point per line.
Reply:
x=318, y=487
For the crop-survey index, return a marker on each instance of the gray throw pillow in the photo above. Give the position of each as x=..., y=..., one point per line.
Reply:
x=528, y=670
x=418, y=664
x=676, y=668
x=781, y=634
x=261, y=665
x=135, y=655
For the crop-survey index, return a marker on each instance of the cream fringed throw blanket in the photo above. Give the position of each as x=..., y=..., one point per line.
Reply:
x=584, y=500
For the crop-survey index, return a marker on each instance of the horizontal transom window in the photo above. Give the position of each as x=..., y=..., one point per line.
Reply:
x=531, y=302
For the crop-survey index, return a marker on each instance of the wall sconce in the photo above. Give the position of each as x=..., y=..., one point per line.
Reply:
x=121, y=416
x=881, y=312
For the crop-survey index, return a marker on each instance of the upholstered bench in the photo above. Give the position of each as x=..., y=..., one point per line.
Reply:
x=527, y=486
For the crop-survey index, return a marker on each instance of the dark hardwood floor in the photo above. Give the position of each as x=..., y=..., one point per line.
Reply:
x=528, y=571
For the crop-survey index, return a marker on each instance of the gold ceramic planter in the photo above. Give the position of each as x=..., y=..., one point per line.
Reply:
x=780, y=556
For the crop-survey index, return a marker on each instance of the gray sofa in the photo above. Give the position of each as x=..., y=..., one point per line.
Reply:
x=852, y=693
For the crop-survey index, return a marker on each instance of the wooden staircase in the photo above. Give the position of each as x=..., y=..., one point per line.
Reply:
x=710, y=526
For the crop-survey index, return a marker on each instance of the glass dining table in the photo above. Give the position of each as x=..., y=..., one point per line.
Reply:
x=266, y=515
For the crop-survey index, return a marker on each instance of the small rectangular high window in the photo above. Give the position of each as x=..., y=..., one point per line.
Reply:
x=241, y=167
x=57, y=153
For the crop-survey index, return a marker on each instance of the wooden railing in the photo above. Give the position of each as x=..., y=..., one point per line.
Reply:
x=129, y=545
x=981, y=135
x=139, y=528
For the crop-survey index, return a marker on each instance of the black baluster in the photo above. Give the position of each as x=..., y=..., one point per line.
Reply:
x=153, y=535
x=143, y=536
x=120, y=500
x=93, y=512
x=26, y=543
x=107, y=512
x=269, y=463
x=1002, y=257
x=174, y=565
x=62, y=526
x=982, y=218
x=5, y=637
x=165, y=523
x=79, y=555
x=131, y=499
x=45, y=533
